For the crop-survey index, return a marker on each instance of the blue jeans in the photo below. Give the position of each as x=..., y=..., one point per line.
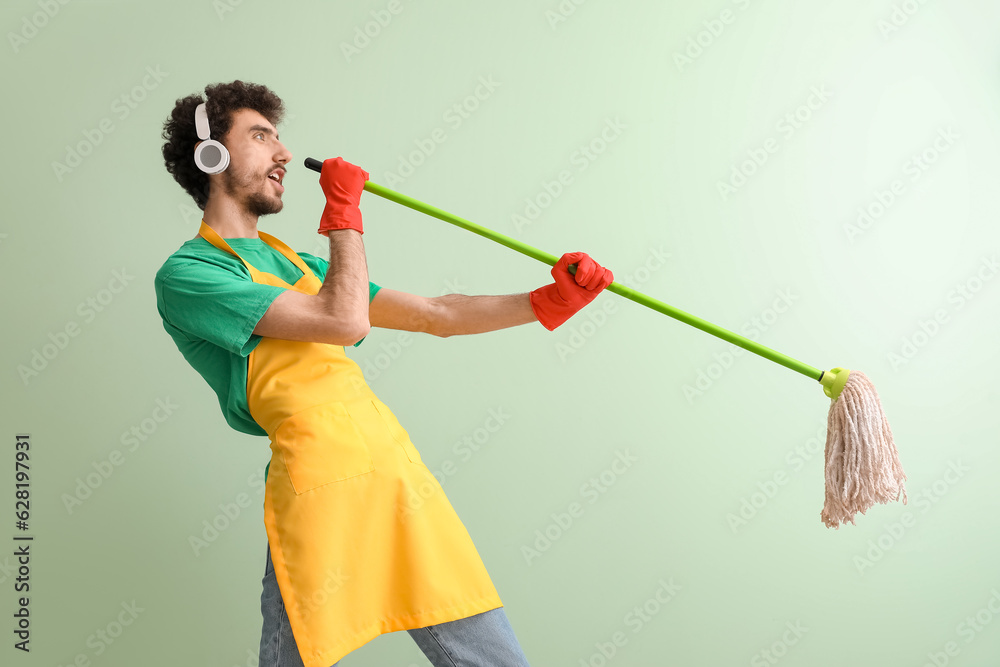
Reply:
x=482, y=640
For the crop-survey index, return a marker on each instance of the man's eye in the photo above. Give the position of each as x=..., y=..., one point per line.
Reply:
x=259, y=134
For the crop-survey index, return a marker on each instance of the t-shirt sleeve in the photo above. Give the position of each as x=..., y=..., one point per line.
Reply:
x=214, y=303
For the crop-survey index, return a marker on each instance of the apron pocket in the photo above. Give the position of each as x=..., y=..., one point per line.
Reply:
x=397, y=431
x=322, y=445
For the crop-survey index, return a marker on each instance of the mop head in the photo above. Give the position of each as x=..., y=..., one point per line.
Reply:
x=862, y=465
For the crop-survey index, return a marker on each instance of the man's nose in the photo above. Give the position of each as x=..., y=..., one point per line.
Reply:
x=284, y=155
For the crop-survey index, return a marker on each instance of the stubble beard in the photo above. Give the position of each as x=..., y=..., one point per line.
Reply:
x=256, y=203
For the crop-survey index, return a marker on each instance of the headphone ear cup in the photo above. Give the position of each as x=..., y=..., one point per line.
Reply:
x=211, y=156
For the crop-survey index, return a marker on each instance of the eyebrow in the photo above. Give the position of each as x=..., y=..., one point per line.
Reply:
x=265, y=130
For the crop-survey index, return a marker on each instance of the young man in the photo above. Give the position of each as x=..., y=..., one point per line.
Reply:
x=349, y=555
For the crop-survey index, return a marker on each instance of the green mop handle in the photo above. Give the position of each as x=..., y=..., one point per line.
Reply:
x=616, y=287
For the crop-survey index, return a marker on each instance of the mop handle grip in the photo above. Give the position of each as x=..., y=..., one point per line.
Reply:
x=616, y=287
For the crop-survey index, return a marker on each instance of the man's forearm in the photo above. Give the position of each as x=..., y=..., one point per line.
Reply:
x=344, y=292
x=458, y=314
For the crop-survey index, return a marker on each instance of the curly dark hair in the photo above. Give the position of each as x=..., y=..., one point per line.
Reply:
x=223, y=100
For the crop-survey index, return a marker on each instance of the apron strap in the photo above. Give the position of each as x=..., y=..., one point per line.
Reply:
x=213, y=237
x=280, y=246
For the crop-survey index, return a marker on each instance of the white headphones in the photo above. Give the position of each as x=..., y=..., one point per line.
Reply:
x=210, y=155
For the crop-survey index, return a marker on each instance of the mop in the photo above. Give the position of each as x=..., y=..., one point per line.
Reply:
x=861, y=462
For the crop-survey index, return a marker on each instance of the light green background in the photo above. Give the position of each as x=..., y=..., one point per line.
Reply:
x=855, y=302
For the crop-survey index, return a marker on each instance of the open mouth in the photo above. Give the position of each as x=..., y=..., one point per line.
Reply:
x=276, y=176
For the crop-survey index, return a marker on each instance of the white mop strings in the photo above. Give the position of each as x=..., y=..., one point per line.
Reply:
x=862, y=464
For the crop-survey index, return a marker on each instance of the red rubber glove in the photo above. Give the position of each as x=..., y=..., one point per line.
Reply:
x=556, y=303
x=342, y=183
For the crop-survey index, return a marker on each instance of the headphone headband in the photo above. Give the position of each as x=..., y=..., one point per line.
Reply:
x=201, y=121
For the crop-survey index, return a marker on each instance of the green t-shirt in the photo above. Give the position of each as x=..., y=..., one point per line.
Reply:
x=210, y=306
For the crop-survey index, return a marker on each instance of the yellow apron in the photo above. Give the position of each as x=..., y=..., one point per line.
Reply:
x=363, y=539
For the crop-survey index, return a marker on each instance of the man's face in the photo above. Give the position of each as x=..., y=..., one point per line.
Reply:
x=257, y=163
